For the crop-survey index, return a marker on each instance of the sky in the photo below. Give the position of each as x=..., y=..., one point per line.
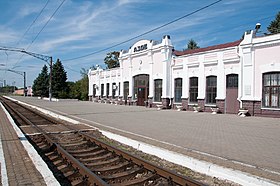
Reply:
x=67, y=29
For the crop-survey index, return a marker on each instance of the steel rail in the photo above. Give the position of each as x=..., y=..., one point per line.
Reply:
x=87, y=173
x=93, y=178
x=172, y=176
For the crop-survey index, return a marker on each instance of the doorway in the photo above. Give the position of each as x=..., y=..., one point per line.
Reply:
x=232, y=104
x=141, y=89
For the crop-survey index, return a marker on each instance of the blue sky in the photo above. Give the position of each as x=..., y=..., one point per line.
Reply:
x=82, y=27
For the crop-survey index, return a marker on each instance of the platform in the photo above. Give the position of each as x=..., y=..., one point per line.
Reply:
x=19, y=163
x=250, y=144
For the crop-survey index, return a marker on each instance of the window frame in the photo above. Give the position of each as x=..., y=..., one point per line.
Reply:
x=102, y=90
x=157, y=90
x=178, y=90
x=125, y=90
x=193, y=89
x=272, y=90
x=211, y=90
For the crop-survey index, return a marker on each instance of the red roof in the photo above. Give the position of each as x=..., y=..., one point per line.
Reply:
x=215, y=47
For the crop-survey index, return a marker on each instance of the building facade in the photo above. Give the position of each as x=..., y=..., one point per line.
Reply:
x=242, y=74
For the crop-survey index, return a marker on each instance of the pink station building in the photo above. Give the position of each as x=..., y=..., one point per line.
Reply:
x=243, y=75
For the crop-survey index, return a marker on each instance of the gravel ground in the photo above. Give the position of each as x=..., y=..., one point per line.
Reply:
x=212, y=181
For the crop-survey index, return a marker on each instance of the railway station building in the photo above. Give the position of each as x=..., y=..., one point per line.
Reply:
x=234, y=76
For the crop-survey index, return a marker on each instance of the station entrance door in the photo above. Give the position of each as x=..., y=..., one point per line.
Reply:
x=141, y=89
x=232, y=104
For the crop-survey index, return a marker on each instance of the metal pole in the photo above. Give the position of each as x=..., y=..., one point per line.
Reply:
x=50, y=81
x=24, y=84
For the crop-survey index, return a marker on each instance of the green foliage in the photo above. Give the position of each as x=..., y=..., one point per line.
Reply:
x=7, y=89
x=41, y=83
x=60, y=88
x=79, y=89
x=111, y=60
x=274, y=26
x=192, y=45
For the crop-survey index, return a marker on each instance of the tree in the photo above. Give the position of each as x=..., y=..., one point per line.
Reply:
x=79, y=89
x=111, y=60
x=41, y=83
x=192, y=45
x=274, y=26
x=60, y=87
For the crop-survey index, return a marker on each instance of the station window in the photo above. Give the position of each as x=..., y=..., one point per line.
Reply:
x=102, y=90
x=114, y=90
x=178, y=90
x=158, y=90
x=125, y=90
x=107, y=89
x=119, y=88
x=94, y=91
x=193, y=90
x=211, y=89
x=271, y=90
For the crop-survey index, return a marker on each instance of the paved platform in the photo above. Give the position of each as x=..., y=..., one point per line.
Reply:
x=248, y=144
x=20, y=169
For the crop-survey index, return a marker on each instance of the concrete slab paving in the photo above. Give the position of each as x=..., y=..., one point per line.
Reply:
x=249, y=144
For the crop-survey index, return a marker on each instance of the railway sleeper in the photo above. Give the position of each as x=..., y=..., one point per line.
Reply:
x=74, y=144
x=71, y=141
x=94, y=153
x=148, y=179
x=115, y=168
x=78, y=182
x=90, y=154
x=122, y=176
x=78, y=151
x=103, y=157
x=103, y=163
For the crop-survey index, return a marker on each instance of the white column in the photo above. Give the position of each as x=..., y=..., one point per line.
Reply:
x=110, y=83
x=130, y=79
x=201, y=80
x=121, y=79
x=248, y=74
x=166, y=72
x=221, y=89
x=185, y=88
x=151, y=79
x=105, y=88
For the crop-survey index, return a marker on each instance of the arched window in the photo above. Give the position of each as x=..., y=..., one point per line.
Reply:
x=178, y=90
x=158, y=90
x=193, y=90
x=271, y=90
x=211, y=89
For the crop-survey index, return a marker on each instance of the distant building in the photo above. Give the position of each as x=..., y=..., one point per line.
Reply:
x=240, y=74
x=29, y=91
x=19, y=92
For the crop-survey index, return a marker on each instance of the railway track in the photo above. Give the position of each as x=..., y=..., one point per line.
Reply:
x=77, y=157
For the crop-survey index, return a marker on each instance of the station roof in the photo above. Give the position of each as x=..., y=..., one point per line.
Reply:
x=209, y=48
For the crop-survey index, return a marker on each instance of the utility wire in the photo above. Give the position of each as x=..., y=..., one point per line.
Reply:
x=33, y=22
x=41, y=30
x=145, y=33
x=45, y=24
